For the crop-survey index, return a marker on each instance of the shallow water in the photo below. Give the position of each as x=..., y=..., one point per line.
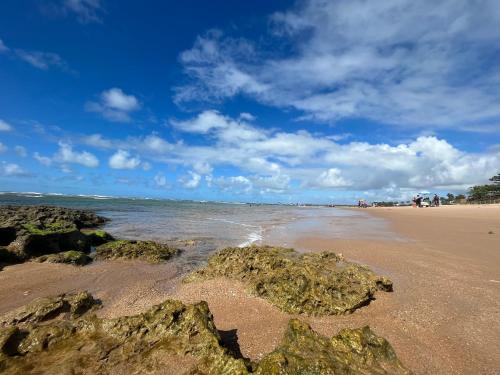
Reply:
x=214, y=225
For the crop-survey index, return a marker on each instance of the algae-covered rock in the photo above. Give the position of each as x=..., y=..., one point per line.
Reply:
x=62, y=335
x=32, y=231
x=149, y=251
x=312, y=283
x=98, y=237
x=137, y=344
x=43, y=309
x=353, y=351
x=76, y=258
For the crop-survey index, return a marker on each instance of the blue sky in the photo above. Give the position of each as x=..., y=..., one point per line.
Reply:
x=283, y=101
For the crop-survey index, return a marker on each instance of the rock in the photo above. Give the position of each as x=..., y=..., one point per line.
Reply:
x=312, y=283
x=45, y=216
x=62, y=335
x=150, y=251
x=353, y=351
x=42, y=309
x=98, y=237
x=136, y=344
x=73, y=257
x=32, y=231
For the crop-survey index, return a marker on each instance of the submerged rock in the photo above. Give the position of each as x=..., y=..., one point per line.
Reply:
x=312, y=283
x=32, y=231
x=149, y=251
x=76, y=258
x=62, y=335
x=353, y=351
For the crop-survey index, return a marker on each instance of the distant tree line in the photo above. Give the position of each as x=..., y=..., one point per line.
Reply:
x=488, y=191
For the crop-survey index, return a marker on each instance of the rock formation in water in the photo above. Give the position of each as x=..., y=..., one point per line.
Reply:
x=62, y=335
x=311, y=283
x=149, y=251
x=31, y=231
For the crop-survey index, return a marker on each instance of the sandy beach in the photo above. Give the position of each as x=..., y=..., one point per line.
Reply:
x=442, y=318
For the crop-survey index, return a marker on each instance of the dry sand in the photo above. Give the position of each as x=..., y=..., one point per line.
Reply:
x=442, y=318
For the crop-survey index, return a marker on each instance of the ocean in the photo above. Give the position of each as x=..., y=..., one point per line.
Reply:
x=213, y=225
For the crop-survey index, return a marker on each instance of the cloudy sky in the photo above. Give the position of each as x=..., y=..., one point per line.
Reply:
x=282, y=101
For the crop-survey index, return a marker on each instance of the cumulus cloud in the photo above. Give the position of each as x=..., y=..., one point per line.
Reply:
x=160, y=180
x=123, y=160
x=3, y=148
x=275, y=161
x=114, y=105
x=5, y=126
x=403, y=63
x=12, y=170
x=66, y=155
x=21, y=151
x=191, y=181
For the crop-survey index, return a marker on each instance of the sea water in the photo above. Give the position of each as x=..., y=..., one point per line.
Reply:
x=212, y=224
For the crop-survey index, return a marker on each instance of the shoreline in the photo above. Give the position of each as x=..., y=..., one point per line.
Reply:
x=442, y=318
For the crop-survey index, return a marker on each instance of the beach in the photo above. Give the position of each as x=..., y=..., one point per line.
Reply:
x=442, y=318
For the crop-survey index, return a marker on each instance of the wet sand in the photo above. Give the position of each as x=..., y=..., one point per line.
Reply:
x=442, y=318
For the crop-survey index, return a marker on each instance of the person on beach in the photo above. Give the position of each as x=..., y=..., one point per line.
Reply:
x=435, y=200
x=418, y=200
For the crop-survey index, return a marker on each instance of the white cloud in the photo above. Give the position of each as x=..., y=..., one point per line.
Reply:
x=3, y=47
x=66, y=155
x=12, y=170
x=192, y=181
x=331, y=178
x=21, y=151
x=42, y=60
x=97, y=140
x=123, y=160
x=275, y=161
x=86, y=10
x=114, y=105
x=44, y=160
x=371, y=60
x=160, y=180
x=3, y=148
x=5, y=126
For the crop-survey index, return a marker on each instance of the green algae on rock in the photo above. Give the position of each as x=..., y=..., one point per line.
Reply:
x=134, y=344
x=98, y=237
x=32, y=231
x=353, y=351
x=62, y=335
x=76, y=258
x=149, y=251
x=311, y=283
x=43, y=309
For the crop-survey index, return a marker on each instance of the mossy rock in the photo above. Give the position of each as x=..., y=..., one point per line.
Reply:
x=131, y=345
x=312, y=283
x=62, y=335
x=353, y=351
x=77, y=258
x=98, y=237
x=149, y=251
x=72, y=306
